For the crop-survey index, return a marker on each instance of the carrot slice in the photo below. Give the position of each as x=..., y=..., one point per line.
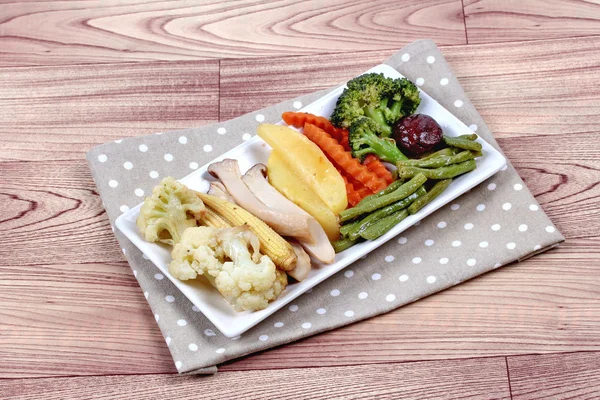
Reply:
x=299, y=119
x=375, y=165
x=343, y=158
x=355, y=190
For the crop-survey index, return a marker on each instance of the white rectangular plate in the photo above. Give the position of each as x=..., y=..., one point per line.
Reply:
x=254, y=151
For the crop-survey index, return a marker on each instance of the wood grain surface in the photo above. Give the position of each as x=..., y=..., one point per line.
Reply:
x=448, y=379
x=81, y=31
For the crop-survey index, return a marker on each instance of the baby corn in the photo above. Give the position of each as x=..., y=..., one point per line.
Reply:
x=272, y=245
x=214, y=220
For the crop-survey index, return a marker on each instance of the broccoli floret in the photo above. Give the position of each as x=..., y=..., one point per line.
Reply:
x=364, y=138
x=384, y=100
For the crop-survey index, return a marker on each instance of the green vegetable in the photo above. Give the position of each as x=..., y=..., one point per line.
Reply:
x=346, y=229
x=364, y=138
x=439, y=161
x=402, y=192
x=343, y=244
x=438, y=173
x=469, y=136
x=384, y=225
x=462, y=143
x=360, y=226
x=391, y=187
x=443, y=152
x=434, y=192
x=384, y=100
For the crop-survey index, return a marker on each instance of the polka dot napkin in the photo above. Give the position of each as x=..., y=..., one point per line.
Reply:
x=494, y=224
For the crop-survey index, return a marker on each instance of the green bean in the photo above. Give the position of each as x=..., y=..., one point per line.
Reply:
x=342, y=244
x=391, y=187
x=384, y=225
x=434, y=192
x=383, y=212
x=346, y=229
x=462, y=143
x=443, y=152
x=477, y=154
x=439, y=161
x=470, y=136
x=438, y=173
x=373, y=204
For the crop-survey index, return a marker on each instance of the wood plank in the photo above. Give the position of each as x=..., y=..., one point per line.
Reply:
x=555, y=376
x=78, y=32
x=58, y=113
x=512, y=20
x=451, y=379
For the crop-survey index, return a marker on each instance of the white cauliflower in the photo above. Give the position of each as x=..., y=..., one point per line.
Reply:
x=230, y=259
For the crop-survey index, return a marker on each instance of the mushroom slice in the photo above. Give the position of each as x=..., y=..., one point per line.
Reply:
x=255, y=179
x=294, y=225
x=217, y=189
x=302, y=268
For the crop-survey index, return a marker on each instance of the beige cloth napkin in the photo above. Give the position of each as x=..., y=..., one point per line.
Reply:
x=494, y=224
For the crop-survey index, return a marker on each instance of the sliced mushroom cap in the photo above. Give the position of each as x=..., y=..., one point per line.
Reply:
x=303, y=266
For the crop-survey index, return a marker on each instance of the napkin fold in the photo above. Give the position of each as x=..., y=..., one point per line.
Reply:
x=494, y=224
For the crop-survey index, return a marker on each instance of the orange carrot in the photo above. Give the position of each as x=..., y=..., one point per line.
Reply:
x=375, y=165
x=343, y=158
x=355, y=190
x=299, y=119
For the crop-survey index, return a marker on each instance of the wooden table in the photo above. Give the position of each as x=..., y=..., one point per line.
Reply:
x=73, y=321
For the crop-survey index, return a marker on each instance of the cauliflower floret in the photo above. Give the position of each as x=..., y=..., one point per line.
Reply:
x=170, y=210
x=247, y=280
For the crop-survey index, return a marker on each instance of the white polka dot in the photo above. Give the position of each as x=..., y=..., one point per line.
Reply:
x=153, y=174
x=168, y=340
x=480, y=207
x=335, y=292
x=209, y=332
x=135, y=273
x=533, y=207
x=497, y=265
x=483, y=244
x=158, y=133
x=506, y=206
x=349, y=273
x=496, y=227
x=455, y=207
x=403, y=278
x=193, y=347
x=127, y=165
x=431, y=59
x=260, y=117
x=416, y=260
x=389, y=258
x=118, y=141
x=321, y=311
x=113, y=184
x=442, y=224
x=468, y=226
x=220, y=350
x=170, y=299
x=491, y=186
x=195, y=309
x=376, y=277
x=177, y=364
x=278, y=324
x=102, y=157
x=124, y=208
x=156, y=317
x=518, y=186
x=471, y=262
x=193, y=165
x=306, y=325
x=420, y=81
x=143, y=148
x=159, y=277
x=458, y=103
x=444, y=81
x=444, y=260
x=504, y=168
x=124, y=251
x=402, y=240
x=431, y=279
x=183, y=140
x=246, y=136
x=263, y=338
x=293, y=308
x=145, y=257
x=139, y=192
x=297, y=105
x=473, y=127
x=456, y=243
x=537, y=247
x=146, y=294
x=221, y=131
x=207, y=148
x=181, y=322
x=405, y=57
x=349, y=313
x=550, y=229
x=168, y=157
x=363, y=295
x=390, y=297
x=511, y=246
x=522, y=228
x=429, y=243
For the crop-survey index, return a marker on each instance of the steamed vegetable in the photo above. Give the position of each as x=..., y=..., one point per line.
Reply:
x=366, y=138
x=168, y=212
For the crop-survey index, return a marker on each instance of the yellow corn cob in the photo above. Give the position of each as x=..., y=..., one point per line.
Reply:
x=271, y=244
x=214, y=220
